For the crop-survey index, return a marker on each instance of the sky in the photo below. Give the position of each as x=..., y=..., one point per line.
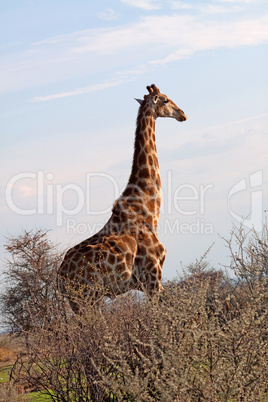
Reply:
x=69, y=73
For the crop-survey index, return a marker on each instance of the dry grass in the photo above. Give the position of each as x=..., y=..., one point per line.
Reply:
x=185, y=346
x=10, y=347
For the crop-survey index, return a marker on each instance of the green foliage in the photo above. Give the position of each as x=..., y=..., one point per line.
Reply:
x=4, y=374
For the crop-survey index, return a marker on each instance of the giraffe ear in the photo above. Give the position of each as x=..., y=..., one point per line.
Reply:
x=139, y=100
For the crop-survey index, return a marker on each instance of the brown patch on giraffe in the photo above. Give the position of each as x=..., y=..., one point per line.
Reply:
x=155, y=222
x=71, y=277
x=111, y=243
x=144, y=173
x=158, y=180
x=116, y=210
x=152, y=173
x=159, y=250
x=151, y=205
x=150, y=160
x=147, y=241
x=111, y=259
x=106, y=268
x=81, y=272
x=142, y=159
x=120, y=268
x=137, y=147
x=145, y=137
x=138, y=259
x=147, y=276
x=104, y=254
x=143, y=124
x=155, y=242
x=123, y=217
x=90, y=277
x=81, y=264
x=116, y=250
x=141, y=250
x=126, y=275
x=119, y=258
x=147, y=148
x=72, y=267
x=155, y=160
x=116, y=219
x=71, y=253
x=94, y=241
x=149, y=221
x=150, y=262
x=128, y=191
x=123, y=244
x=142, y=185
x=129, y=259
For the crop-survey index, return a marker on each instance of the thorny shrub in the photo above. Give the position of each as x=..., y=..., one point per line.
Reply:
x=204, y=339
x=30, y=293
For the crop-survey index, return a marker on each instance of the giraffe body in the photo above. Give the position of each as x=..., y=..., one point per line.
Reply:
x=126, y=253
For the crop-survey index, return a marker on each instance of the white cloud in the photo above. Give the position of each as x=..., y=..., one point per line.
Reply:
x=209, y=35
x=181, y=5
x=240, y=1
x=150, y=41
x=143, y=4
x=185, y=34
x=109, y=15
x=79, y=91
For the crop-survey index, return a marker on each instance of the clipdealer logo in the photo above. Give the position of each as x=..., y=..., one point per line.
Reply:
x=185, y=200
x=67, y=201
x=253, y=186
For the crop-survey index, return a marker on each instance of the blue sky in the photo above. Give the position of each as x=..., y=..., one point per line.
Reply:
x=69, y=72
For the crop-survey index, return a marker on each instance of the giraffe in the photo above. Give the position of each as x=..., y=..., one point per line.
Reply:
x=126, y=253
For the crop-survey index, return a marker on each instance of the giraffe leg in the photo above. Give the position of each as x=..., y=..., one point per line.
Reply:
x=153, y=283
x=149, y=261
x=150, y=269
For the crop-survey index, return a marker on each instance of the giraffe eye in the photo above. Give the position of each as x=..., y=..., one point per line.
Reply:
x=166, y=101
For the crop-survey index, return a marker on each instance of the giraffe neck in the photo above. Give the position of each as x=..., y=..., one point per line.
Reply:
x=144, y=180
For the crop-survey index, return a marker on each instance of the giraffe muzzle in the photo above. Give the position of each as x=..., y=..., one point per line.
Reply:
x=181, y=116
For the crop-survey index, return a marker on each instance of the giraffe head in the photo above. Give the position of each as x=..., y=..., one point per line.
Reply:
x=161, y=104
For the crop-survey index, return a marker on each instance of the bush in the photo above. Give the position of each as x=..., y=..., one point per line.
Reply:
x=204, y=339
x=31, y=286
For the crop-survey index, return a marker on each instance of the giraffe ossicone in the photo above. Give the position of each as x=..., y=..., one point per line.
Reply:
x=126, y=253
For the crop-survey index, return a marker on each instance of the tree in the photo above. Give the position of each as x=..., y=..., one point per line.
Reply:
x=31, y=278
